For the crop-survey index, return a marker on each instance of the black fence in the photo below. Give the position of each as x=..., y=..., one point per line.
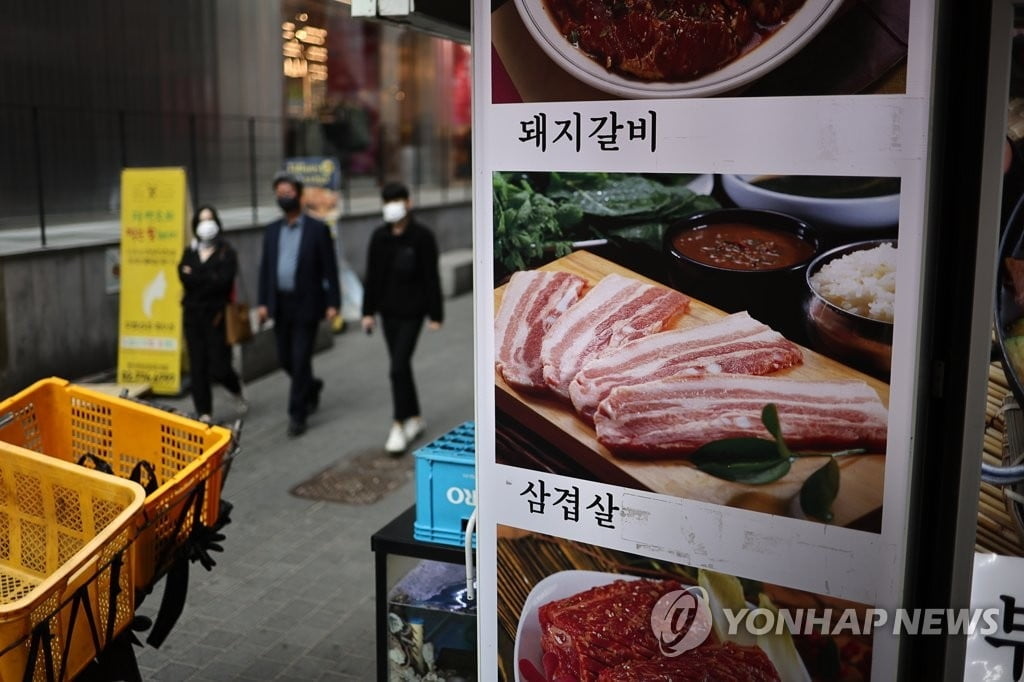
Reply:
x=62, y=165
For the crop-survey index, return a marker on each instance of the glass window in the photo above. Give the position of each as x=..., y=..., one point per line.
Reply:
x=389, y=103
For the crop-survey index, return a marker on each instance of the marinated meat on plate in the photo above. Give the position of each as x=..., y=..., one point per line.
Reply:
x=604, y=634
x=601, y=627
x=708, y=663
x=737, y=344
x=667, y=40
x=533, y=300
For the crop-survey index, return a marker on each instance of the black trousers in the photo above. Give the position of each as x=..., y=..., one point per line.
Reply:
x=209, y=359
x=401, y=334
x=295, y=341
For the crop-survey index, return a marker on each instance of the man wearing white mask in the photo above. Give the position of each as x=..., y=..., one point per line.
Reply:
x=403, y=287
x=207, y=271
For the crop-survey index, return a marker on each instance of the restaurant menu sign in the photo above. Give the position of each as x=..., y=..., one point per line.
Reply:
x=699, y=244
x=154, y=204
x=994, y=649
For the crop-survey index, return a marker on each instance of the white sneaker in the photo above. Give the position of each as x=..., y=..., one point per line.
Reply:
x=396, y=440
x=206, y=419
x=241, y=404
x=413, y=428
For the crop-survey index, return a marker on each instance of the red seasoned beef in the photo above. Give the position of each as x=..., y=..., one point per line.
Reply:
x=599, y=628
x=656, y=39
x=708, y=663
x=668, y=40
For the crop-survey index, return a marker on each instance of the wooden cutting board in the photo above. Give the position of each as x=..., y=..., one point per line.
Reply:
x=860, y=493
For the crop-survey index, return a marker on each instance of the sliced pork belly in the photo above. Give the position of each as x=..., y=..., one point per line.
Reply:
x=617, y=310
x=674, y=417
x=533, y=300
x=737, y=344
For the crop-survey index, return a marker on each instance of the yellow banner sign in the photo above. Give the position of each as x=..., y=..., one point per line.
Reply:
x=154, y=204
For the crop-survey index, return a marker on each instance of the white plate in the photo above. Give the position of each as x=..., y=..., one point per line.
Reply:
x=559, y=586
x=787, y=41
x=702, y=184
x=867, y=212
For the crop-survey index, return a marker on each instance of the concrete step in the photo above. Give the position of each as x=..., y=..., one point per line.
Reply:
x=455, y=268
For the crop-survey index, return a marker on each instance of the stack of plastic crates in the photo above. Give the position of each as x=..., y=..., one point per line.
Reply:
x=179, y=460
x=446, y=486
x=66, y=565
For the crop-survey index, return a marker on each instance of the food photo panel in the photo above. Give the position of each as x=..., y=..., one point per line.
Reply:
x=725, y=339
x=578, y=50
x=574, y=611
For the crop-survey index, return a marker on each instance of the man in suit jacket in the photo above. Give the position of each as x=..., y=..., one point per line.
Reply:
x=298, y=287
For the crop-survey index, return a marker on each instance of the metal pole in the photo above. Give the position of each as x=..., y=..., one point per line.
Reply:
x=194, y=152
x=252, y=167
x=446, y=161
x=122, y=138
x=37, y=150
x=346, y=187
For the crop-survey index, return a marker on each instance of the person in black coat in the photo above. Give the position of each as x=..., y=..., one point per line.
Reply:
x=403, y=286
x=207, y=272
x=298, y=287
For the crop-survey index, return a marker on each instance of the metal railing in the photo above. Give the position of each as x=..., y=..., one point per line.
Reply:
x=62, y=167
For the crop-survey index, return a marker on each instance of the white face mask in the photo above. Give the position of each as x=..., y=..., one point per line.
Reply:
x=394, y=211
x=206, y=230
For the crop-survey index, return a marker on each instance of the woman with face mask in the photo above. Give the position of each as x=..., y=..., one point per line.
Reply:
x=403, y=287
x=207, y=271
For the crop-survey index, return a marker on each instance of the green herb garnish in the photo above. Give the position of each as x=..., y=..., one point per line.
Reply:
x=758, y=460
x=538, y=214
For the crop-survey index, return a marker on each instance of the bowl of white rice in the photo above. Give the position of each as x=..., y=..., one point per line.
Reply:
x=851, y=303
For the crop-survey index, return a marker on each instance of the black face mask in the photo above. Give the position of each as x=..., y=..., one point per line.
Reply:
x=288, y=204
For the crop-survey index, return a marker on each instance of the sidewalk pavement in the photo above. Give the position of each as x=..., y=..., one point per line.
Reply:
x=292, y=595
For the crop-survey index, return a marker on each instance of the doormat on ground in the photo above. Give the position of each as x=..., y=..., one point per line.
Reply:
x=362, y=478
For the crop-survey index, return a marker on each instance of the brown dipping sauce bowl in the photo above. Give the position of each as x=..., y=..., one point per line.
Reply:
x=740, y=259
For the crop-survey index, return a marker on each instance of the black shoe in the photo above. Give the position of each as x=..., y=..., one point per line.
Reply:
x=296, y=428
x=314, y=395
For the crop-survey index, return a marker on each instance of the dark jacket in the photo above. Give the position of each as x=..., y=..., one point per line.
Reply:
x=208, y=284
x=401, y=274
x=316, y=274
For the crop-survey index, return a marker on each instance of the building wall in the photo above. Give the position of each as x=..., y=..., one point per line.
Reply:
x=61, y=322
x=94, y=86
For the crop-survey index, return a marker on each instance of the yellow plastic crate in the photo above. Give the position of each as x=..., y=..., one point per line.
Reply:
x=67, y=421
x=66, y=565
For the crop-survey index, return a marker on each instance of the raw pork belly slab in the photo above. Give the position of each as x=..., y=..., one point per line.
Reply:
x=533, y=300
x=599, y=628
x=737, y=344
x=674, y=417
x=708, y=663
x=618, y=309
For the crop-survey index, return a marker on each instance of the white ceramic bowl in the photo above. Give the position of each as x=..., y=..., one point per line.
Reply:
x=867, y=212
x=787, y=41
x=843, y=335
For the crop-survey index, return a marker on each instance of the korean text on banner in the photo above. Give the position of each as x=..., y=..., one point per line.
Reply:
x=321, y=176
x=153, y=233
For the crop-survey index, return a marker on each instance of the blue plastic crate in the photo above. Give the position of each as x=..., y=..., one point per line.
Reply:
x=446, y=487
